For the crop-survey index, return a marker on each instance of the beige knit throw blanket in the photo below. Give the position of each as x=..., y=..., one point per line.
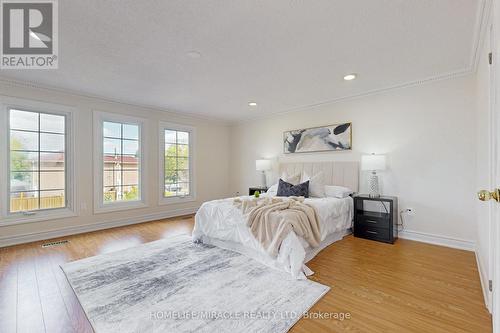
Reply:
x=272, y=218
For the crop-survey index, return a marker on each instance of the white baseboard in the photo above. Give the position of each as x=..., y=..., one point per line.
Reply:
x=483, y=276
x=67, y=231
x=438, y=240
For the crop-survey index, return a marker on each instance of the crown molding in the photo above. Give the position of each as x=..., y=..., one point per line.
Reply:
x=36, y=85
x=448, y=76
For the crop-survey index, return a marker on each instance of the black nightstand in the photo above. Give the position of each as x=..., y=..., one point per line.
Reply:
x=252, y=190
x=373, y=221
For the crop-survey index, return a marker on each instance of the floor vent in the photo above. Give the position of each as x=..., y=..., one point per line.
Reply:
x=55, y=243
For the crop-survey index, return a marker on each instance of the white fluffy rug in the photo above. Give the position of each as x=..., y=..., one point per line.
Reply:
x=174, y=285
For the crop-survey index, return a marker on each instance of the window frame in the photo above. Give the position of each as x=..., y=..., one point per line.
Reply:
x=161, y=159
x=70, y=210
x=99, y=206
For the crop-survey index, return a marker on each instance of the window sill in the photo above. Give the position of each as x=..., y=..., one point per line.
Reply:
x=175, y=200
x=15, y=219
x=116, y=207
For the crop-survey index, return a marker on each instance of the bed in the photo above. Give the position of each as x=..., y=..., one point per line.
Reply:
x=221, y=224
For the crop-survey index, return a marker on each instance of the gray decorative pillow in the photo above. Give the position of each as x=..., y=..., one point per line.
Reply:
x=289, y=190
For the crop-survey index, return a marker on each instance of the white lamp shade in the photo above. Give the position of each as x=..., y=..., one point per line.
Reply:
x=262, y=165
x=373, y=162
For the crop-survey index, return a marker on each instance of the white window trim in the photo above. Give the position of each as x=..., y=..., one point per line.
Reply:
x=192, y=174
x=99, y=205
x=71, y=209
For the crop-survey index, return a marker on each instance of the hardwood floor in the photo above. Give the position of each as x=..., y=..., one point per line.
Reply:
x=406, y=287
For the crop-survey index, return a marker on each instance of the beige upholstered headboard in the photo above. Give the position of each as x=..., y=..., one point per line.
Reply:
x=334, y=173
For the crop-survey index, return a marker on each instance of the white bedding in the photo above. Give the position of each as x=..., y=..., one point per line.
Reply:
x=220, y=223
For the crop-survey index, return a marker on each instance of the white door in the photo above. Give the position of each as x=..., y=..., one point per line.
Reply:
x=495, y=225
x=486, y=166
x=489, y=175
x=495, y=216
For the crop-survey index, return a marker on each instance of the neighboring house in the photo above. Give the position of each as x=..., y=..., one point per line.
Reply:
x=120, y=170
x=39, y=189
x=50, y=180
x=120, y=176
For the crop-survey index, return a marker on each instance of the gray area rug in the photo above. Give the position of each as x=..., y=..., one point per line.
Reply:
x=174, y=285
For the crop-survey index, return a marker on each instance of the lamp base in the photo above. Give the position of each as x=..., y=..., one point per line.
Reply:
x=374, y=188
x=263, y=181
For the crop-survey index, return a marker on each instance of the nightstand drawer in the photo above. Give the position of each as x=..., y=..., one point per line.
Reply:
x=252, y=190
x=376, y=218
x=374, y=221
x=381, y=234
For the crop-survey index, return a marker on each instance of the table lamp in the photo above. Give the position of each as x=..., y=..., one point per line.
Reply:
x=373, y=163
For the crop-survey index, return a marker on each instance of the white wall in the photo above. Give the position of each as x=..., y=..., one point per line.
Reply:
x=428, y=133
x=212, y=156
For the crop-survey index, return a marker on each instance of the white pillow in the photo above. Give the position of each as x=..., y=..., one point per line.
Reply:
x=316, y=184
x=294, y=180
x=337, y=191
x=273, y=190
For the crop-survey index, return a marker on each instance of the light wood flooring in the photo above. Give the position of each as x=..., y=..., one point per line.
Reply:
x=405, y=287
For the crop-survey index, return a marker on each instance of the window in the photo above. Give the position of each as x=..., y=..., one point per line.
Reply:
x=37, y=161
x=119, y=162
x=176, y=144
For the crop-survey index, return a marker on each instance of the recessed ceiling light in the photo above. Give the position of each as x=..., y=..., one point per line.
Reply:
x=350, y=77
x=194, y=54
x=252, y=104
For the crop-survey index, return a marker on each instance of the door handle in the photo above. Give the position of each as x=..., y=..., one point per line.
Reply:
x=484, y=195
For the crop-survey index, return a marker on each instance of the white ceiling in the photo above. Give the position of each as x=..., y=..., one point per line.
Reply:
x=283, y=54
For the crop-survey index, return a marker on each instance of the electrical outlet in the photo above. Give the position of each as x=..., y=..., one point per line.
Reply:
x=83, y=206
x=410, y=211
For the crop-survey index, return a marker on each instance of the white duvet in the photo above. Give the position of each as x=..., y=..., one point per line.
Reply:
x=220, y=223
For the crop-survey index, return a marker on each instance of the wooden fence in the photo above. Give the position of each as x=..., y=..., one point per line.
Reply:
x=23, y=203
x=110, y=196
